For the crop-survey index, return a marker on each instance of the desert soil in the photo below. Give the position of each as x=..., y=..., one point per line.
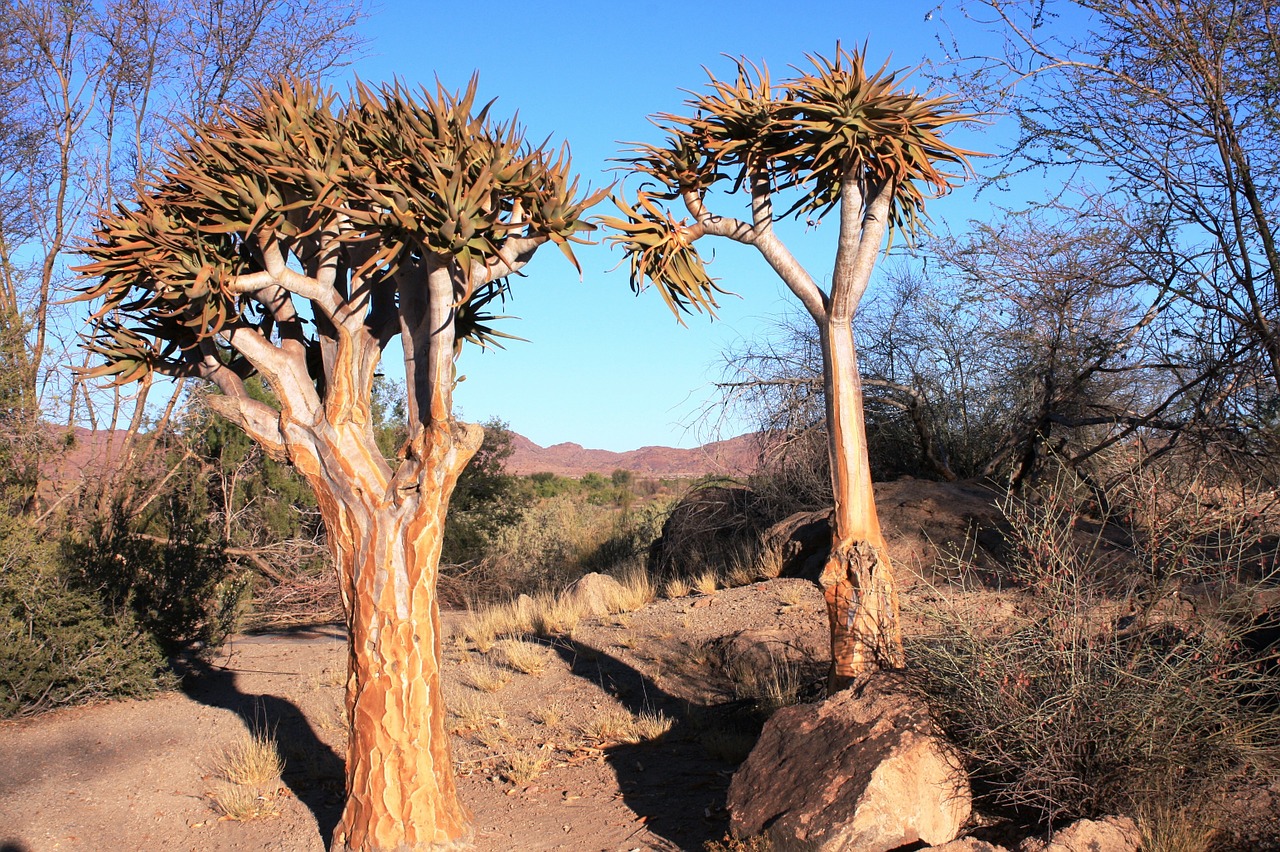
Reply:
x=137, y=775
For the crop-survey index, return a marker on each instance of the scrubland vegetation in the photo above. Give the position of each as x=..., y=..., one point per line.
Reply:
x=1107, y=359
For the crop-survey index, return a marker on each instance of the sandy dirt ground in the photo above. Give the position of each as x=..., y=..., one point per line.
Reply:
x=137, y=775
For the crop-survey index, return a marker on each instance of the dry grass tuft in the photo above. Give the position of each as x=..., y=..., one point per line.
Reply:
x=249, y=772
x=791, y=594
x=768, y=563
x=771, y=688
x=616, y=725
x=472, y=712
x=485, y=677
x=252, y=760
x=242, y=803
x=608, y=725
x=522, y=768
x=676, y=587
x=651, y=725
x=496, y=738
x=637, y=590
x=548, y=717
x=486, y=625
x=706, y=583
x=555, y=616
x=1169, y=824
x=524, y=657
x=739, y=573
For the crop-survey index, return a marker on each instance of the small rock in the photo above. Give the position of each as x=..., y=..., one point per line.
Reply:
x=967, y=844
x=1109, y=834
x=862, y=770
x=593, y=593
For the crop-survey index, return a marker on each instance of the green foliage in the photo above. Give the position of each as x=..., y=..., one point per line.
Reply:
x=22, y=438
x=593, y=481
x=180, y=590
x=257, y=500
x=545, y=485
x=60, y=643
x=554, y=541
x=390, y=421
x=486, y=499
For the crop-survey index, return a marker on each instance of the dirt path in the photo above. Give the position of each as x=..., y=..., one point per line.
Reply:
x=137, y=775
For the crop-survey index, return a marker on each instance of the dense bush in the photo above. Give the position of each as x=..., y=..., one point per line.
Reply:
x=485, y=501
x=1099, y=685
x=60, y=643
x=182, y=592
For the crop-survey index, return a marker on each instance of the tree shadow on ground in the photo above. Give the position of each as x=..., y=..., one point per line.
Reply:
x=314, y=773
x=675, y=785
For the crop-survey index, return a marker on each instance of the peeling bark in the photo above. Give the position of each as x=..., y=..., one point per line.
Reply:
x=401, y=793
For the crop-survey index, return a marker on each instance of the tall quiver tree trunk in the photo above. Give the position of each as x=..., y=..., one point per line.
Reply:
x=857, y=580
x=386, y=547
x=836, y=135
x=294, y=240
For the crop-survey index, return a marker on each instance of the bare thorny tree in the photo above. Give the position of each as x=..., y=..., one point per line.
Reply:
x=91, y=94
x=1160, y=115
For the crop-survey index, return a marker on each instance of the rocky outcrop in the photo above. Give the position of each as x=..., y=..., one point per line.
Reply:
x=862, y=770
x=708, y=527
x=916, y=516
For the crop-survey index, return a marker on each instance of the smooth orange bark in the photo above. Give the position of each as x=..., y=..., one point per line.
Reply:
x=857, y=580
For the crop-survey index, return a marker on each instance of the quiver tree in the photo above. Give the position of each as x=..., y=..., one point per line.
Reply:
x=834, y=138
x=294, y=240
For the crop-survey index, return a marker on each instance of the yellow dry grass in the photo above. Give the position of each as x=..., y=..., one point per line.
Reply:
x=524, y=657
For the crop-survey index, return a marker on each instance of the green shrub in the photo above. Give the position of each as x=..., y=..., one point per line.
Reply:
x=59, y=643
x=181, y=592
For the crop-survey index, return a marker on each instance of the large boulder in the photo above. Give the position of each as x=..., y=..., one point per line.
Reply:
x=763, y=648
x=709, y=527
x=918, y=518
x=1109, y=834
x=862, y=770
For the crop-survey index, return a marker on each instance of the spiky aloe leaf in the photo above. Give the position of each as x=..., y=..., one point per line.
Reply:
x=660, y=250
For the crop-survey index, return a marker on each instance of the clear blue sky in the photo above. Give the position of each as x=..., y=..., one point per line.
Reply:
x=602, y=367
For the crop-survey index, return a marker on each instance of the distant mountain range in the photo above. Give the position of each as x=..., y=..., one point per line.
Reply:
x=734, y=457
x=93, y=451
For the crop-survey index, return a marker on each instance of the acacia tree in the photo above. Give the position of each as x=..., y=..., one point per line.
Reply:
x=294, y=240
x=844, y=140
